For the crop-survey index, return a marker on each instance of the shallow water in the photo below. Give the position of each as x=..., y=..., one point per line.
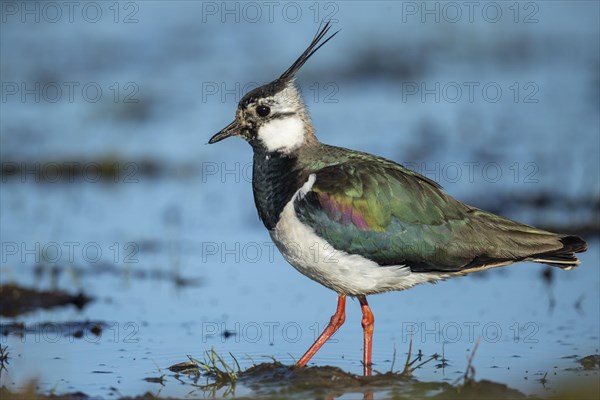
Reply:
x=171, y=249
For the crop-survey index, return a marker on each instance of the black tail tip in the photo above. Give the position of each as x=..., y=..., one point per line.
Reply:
x=564, y=257
x=573, y=244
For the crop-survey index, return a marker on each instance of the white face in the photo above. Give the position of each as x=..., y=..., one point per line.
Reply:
x=287, y=131
x=283, y=134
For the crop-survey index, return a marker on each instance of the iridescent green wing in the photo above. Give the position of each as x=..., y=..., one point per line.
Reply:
x=393, y=216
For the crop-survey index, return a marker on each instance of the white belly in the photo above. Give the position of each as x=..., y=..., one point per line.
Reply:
x=345, y=273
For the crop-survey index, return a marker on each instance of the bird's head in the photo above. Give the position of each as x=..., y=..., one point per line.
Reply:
x=273, y=116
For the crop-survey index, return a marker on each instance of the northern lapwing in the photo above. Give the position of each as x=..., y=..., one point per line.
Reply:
x=361, y=224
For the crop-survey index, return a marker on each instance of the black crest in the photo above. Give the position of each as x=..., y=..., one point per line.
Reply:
x=280, y=83
x=315, y=45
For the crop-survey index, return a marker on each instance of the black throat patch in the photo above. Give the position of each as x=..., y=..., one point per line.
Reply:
x=275, y=179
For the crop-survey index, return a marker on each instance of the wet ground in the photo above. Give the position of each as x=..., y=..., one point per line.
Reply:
x=129, y=246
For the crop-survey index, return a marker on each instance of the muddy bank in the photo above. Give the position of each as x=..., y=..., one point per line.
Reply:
x=274, y=380
x=16, y=300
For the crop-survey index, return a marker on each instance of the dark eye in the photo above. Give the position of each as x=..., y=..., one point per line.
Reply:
x=263, y=111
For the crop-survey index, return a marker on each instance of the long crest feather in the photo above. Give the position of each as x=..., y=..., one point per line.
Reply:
x=315, y=45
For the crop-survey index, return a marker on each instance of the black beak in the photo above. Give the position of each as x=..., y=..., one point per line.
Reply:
x=233, y=129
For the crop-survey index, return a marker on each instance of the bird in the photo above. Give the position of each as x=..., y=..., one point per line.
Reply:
x=360, y=224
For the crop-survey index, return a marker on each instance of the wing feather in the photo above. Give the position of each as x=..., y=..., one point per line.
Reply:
x=394, y=216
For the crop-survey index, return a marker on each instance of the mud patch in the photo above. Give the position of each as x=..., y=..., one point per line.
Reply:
x=276, y=379
x=16, y=300
x=590, y=362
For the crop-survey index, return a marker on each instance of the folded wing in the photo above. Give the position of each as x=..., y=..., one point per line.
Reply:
x=394, y=216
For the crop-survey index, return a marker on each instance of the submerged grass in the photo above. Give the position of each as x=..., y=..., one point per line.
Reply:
x=3, y=359
x=215, y=366
x=408, y=365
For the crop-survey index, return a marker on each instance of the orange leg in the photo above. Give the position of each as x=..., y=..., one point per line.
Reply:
x=334, y=324
x=367, y=323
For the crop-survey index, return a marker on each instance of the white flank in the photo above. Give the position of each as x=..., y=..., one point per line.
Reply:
x=285, y=134
x=342, y=272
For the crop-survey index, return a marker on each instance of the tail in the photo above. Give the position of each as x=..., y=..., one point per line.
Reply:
x=510, y=241
x=564, y=257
